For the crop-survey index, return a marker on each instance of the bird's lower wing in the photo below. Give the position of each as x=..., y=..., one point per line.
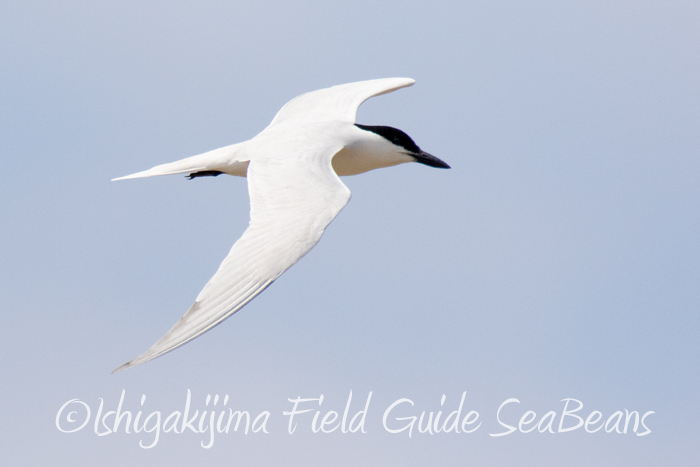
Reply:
x=292, y=202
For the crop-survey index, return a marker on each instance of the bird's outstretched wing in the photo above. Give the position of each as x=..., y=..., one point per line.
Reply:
x=294, y=195
x=334, y=103
x=337, y=102
x=293, y=199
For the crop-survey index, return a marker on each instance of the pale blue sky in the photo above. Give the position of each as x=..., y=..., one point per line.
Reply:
x=558, y=258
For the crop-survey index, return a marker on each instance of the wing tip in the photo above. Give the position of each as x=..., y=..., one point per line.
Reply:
x=132, y=363
x=143, y=358
x=405, y=81
x=123, y=367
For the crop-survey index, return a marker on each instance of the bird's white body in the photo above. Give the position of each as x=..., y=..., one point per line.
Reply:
x=292, y=168
x=360, y=151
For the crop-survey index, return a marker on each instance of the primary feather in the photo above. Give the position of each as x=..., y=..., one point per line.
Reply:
x=294, y=195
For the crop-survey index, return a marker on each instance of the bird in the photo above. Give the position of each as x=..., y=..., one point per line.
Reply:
x=292, y=168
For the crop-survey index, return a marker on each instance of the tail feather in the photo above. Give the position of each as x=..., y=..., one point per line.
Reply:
x=209, y=161
x=158, y=170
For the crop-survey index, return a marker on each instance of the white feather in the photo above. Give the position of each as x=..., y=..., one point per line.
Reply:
x=294, y=195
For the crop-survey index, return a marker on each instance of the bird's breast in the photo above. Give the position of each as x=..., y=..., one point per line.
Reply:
x=360, y=158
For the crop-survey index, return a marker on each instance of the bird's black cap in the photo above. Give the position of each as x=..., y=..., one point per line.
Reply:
x=399, y=138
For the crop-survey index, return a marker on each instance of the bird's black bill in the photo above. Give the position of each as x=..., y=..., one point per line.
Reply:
x=429, y=160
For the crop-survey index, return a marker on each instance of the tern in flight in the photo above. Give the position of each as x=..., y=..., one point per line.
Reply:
x=292, y=168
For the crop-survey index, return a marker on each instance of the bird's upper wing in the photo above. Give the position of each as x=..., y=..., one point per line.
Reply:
x=337, y=102
x=293, y=197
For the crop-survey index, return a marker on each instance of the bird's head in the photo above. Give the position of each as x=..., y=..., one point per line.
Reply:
x=403, y=144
